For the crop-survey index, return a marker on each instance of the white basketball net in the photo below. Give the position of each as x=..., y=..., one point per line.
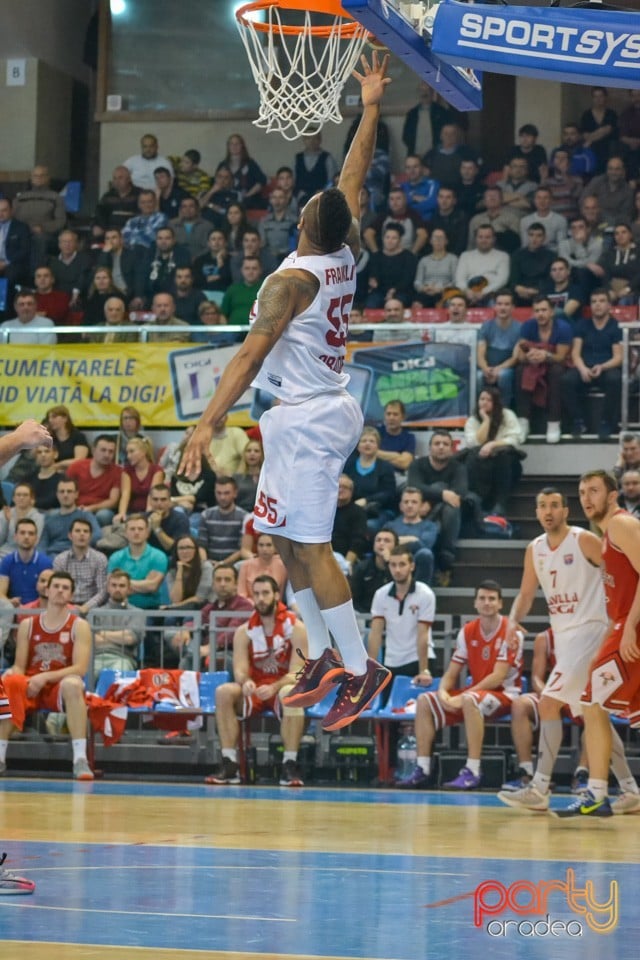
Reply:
x=300, y=77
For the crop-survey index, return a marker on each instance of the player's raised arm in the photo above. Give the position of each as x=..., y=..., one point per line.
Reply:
x=372, y=81
x=282, y=295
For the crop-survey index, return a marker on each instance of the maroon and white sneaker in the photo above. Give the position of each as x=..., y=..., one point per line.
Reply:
x=11, y=883
x=314, y=680
x=355, y=694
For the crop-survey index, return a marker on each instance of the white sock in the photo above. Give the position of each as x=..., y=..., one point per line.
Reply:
x=343, y=626
x=231, y=754
x=474, y=766
x=527, y=766
x=79, y=749
x=317, y=634
x=3, y=750
x=549, y=744
x=598, y=788
x=629, y=785
x=541, y=782
x=289, y=755
x=425, y=764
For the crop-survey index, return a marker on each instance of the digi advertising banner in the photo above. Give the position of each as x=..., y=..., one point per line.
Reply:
x=171, y=384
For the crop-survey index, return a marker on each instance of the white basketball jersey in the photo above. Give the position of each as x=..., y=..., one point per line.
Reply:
x=572, y=586
x=308, y=359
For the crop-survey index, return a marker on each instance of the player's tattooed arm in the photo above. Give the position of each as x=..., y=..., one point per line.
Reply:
x=283, y=296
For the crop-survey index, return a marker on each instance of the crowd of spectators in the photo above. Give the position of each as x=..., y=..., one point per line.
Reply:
x=179, y=244
x=167, y=224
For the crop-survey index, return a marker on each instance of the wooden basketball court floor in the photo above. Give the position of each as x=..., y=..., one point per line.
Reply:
x=148, y=871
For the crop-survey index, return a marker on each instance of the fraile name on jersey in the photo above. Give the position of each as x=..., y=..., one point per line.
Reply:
x=340, y=274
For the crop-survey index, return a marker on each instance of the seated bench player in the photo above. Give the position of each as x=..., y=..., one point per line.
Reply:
x=481, y=647
x=267, y=654
x=53, y=651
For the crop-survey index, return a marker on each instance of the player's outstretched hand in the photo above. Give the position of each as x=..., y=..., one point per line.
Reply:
x=33, y=434
x=197, y=447
x=373, y=79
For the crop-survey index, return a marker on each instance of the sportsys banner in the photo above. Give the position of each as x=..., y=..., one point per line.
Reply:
x=571, y=45
x=171, y=385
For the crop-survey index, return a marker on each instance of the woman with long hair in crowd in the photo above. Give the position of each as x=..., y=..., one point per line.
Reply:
x=492, y=435
x=248, y=177
x=236, y=226
x=101, y=289
x=189, y=577
x=70, y=442
x=130, y=427
x=139, y=475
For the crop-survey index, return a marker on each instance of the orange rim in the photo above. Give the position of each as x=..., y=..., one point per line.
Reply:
x=332, y=8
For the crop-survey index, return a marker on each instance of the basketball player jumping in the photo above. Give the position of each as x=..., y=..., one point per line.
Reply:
x=28, y=435
x=295, y=349
x=565, y=562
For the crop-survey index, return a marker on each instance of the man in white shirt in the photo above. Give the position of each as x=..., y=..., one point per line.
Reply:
x=484, y=261
x=23, y=326
x=142, y=165
x=402, y=612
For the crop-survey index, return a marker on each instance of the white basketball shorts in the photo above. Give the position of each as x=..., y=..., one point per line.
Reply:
x=305, y=448
x=574, y=651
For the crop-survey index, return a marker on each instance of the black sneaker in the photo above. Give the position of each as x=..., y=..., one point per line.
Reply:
x=355, y=694
x=290, y=775
x=227, y=772
x=314, y=680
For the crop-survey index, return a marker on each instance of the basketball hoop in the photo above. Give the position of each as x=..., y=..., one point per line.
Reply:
x=300, y=69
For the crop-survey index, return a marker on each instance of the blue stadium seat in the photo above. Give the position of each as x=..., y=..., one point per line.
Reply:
x=209, y=683
x=403, y=689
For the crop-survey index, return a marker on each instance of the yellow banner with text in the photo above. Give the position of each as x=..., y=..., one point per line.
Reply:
x=170, y=384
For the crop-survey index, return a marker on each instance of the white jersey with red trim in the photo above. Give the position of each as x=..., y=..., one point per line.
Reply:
x=572, y=586
x=308, y=359
x=480, y=653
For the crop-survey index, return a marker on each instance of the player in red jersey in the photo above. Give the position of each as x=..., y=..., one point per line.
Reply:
x=53, y=651
x=494, y=669
x=267, y=652
x=296, y=349
x=28, y=435
x=614, y=681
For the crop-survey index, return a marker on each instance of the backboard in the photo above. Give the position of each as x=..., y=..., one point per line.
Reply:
x=574, y=45
x=449, y=43
x=405, y=30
